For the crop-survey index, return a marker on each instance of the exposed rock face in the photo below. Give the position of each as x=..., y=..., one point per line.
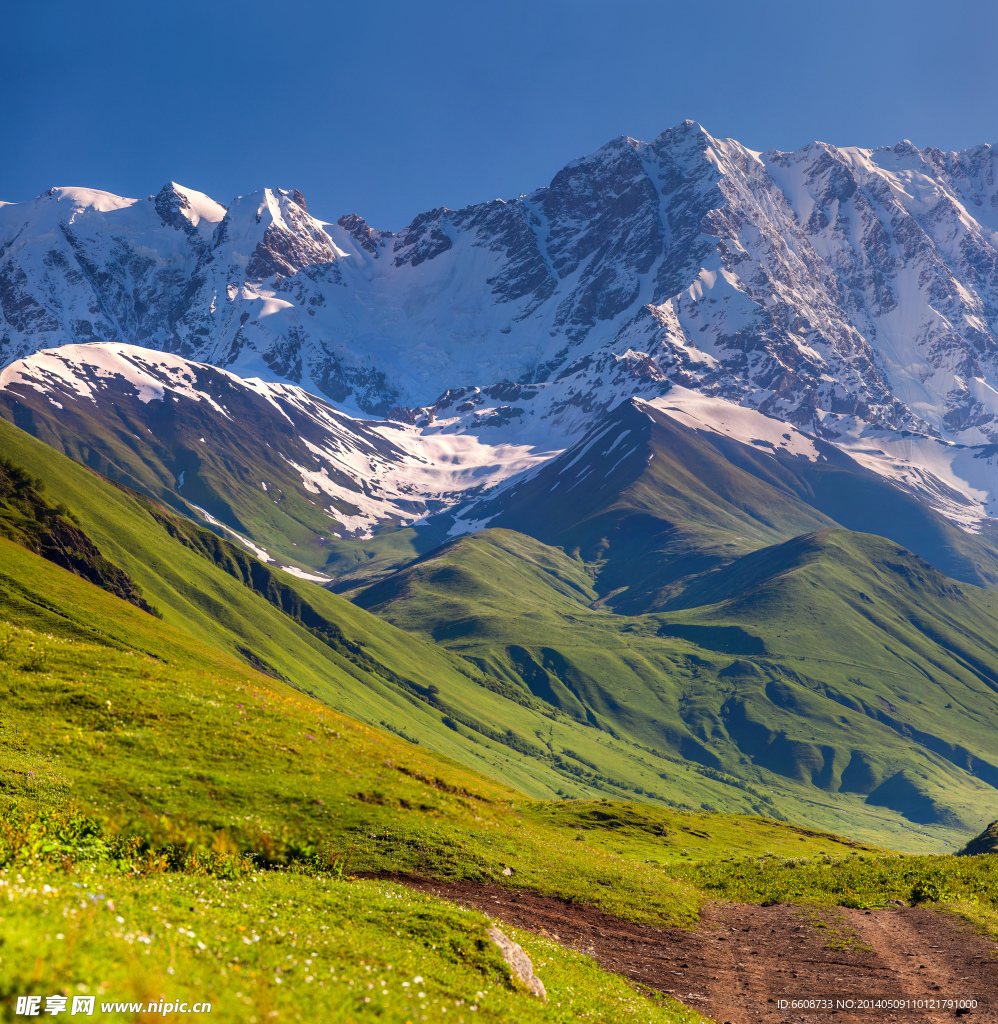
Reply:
x=519, y=963
x=364, y=235
x=817, y=285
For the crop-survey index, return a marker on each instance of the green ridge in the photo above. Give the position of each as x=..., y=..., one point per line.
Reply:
x=836, y=674
x=986, y=842
x=54, y=533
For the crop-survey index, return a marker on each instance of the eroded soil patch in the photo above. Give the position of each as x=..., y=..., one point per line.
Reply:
x=742, y=959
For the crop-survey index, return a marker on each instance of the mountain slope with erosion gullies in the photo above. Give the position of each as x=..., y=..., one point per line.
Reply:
x=507, y=704
x=269, y=463
x=837, y=671
x=659, y=490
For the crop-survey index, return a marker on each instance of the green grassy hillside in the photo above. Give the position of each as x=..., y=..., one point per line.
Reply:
x=180, y=744
x=646, y=501
x=837, y=674
x=322, y=644
x=510, y=662
x=176, y=825
x=986, y=842
x=53, y=532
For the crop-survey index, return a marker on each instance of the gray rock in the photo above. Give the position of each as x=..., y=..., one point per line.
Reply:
x=519, y=963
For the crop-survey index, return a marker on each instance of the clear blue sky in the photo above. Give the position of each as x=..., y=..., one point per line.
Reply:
x=386, y=108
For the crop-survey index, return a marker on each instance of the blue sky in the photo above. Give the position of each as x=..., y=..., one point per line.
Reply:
x=387, y=108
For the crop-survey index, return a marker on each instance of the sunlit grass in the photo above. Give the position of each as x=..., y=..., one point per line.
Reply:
x=219, y=814
x=278, y=945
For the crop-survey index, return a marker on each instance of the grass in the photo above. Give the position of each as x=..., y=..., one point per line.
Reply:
x=222, y=760
x=834, y=928
x=154, y=811
x=279, y=946
x=203, y=751
x=862, y=879
x=378, y=674
x=981, y=916
x=159, y=799
x=560, y=699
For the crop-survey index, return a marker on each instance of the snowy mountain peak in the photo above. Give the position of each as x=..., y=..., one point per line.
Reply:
x=184, y=208
x=270, y=233
x=85, y=199
x=820, y=287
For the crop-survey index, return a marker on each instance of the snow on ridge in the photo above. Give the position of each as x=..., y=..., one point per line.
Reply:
x=745, y=424
x=254, y=549
x=86, y=370
x=958, y=481
x=303, y=575
x=201, y=207
x=377, y=470
x=434, y=473
x=88, y=198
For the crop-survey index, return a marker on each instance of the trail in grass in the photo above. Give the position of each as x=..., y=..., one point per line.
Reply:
x=743, y=959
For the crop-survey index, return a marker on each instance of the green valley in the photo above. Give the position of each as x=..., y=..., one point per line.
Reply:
x=837, y=669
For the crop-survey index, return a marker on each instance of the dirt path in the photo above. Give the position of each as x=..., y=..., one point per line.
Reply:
x=743, y=959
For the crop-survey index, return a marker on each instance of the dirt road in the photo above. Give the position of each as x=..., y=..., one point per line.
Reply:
x=743, y=959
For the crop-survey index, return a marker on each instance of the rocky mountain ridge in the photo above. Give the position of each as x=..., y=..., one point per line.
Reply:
x=824, y=287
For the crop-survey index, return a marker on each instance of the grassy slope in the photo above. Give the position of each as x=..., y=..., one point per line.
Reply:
x=653, y=507
x=207, y=603
x=702, y=497
x=186, y=760
x=203, y=600
x=681, y=501
x=193, y=752
x=185, y=744
x=840, y=663
x=635, y=683
x=315, y=950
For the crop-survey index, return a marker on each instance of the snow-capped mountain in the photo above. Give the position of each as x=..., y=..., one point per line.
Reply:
x=852, y=294
x=277, y=467
x=300, y=483
x=811, y=285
